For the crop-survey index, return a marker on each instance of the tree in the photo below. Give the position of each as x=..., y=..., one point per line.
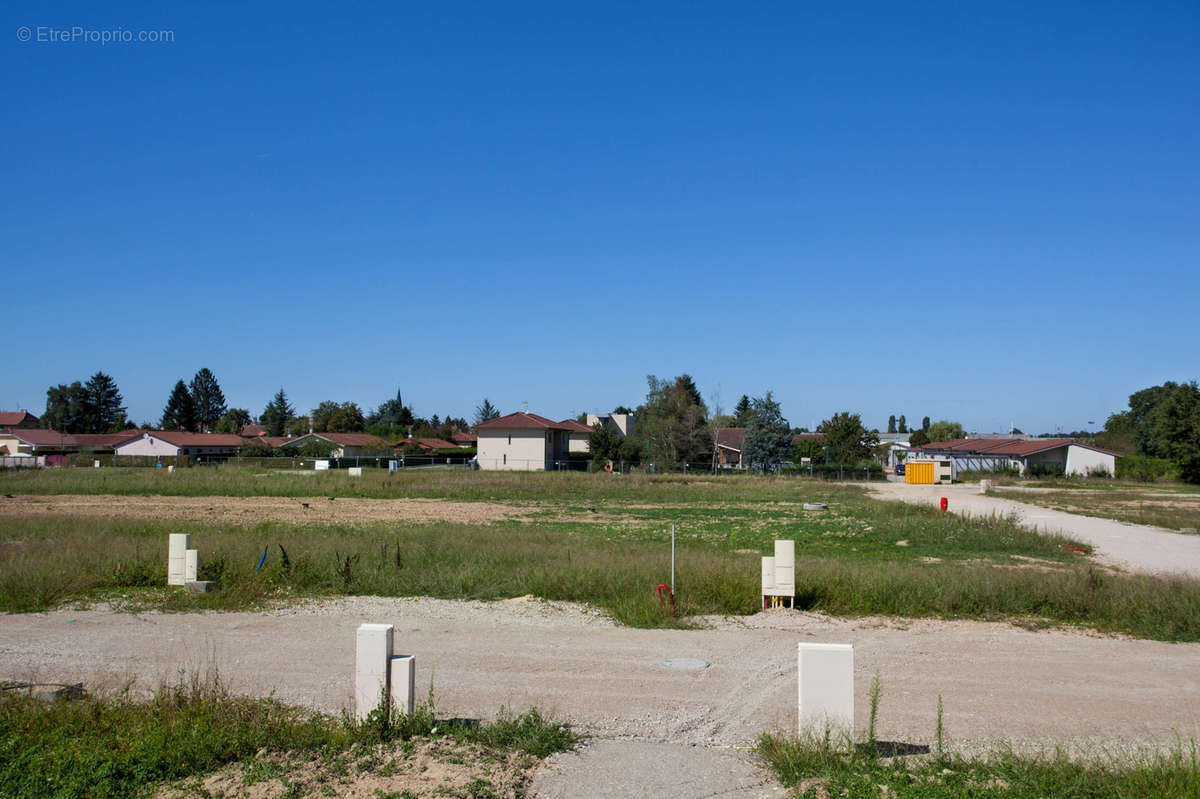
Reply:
x=103, y=411
x=673, y=421
x=180, y=413
x=943, y=430
x=768, y=438
x=233, y=421
x=391, y=420
x=622, y=409
x=892, y=423
x=208, y=399
x=320, y=415
x=741, y=411
x=925, y=424
x=903, y=424
x=486, y=412
x=298, y=426
x=348, y=418
x=277, y=414
x=847, y=440
x=918, y=439
x=604, y=443
x=65, y=408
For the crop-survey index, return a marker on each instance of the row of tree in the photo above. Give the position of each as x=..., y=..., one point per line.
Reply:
x=1163, y=422
x=92, y=407
x=673, y=425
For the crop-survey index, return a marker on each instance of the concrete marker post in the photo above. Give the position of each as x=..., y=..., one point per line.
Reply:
x=825, y=683
x=191, y=565
x=372, y=653
x=402, y=672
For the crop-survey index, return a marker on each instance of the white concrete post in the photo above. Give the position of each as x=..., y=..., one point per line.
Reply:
x=403, y=676
x=825, y=677
x=177, y=547
x=355, y=471
x=191, y=565
x=372, y=653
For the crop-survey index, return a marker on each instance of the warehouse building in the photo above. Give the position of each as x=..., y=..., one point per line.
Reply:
x=999, y=454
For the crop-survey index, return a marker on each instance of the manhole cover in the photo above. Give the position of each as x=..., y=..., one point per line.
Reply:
x=685, y=663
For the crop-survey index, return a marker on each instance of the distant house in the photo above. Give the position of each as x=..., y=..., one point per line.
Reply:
x=731, y=441
x=577, y=435
x=253, y=431
x=427, y=444
x=993, y=454
x=619, y=423
x=466, y=440
x=522, y=442
x=347, y=445
x=19, y=420
x=176, y=443
x=35, y=441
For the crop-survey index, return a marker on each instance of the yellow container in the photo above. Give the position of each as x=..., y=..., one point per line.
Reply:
x=919, y=473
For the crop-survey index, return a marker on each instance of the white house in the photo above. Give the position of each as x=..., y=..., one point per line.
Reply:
x=174, y=443
x=620, y=423
x=523, y=442
x=577, y=435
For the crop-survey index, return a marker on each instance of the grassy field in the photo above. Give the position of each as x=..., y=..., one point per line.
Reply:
x=112, y=747
x=599, y=540
x=815, y=767
x=1173, y=511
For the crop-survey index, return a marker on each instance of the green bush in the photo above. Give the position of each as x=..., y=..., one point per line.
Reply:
x=1146, y=470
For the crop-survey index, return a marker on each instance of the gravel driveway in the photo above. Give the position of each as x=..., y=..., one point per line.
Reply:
x=1131, y=546
x=650, y=725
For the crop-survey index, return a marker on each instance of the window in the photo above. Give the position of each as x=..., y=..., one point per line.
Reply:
x=510, y=439
x=506, y=456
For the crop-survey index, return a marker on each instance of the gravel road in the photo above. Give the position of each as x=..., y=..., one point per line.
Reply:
x=684, y=727
x=1129, y=546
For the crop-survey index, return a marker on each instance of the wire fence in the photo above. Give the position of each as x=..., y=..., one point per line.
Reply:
x=402, y=461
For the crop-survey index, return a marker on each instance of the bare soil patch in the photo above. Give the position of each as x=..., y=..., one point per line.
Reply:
x=252, y=510
x=441, y=767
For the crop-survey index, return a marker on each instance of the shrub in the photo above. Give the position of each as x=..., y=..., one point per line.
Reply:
x=1145, y=469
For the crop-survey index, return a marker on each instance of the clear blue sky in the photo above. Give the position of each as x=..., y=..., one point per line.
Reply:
x=963, y=210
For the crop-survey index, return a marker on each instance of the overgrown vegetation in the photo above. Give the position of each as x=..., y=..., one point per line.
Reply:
x=115, y=747
x=860, y=557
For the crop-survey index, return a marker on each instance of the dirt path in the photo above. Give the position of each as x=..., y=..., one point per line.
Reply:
x=997, y=681
x=252, y=510
x=1131, y=546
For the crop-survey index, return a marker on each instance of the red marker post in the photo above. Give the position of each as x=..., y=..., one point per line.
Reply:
x=945, y=504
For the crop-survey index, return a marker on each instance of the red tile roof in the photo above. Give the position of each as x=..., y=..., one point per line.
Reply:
x=41, y=438
x=428, y=443
x=1018, y=447
x=575, y=427
x=181, y=438
x=731, y=437
x=253, y=431
x=14, y=418
x=104, y=440
x=521, y=421
x=465, y=438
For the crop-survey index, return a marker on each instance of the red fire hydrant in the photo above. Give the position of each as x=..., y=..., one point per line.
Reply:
x=945, y=504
